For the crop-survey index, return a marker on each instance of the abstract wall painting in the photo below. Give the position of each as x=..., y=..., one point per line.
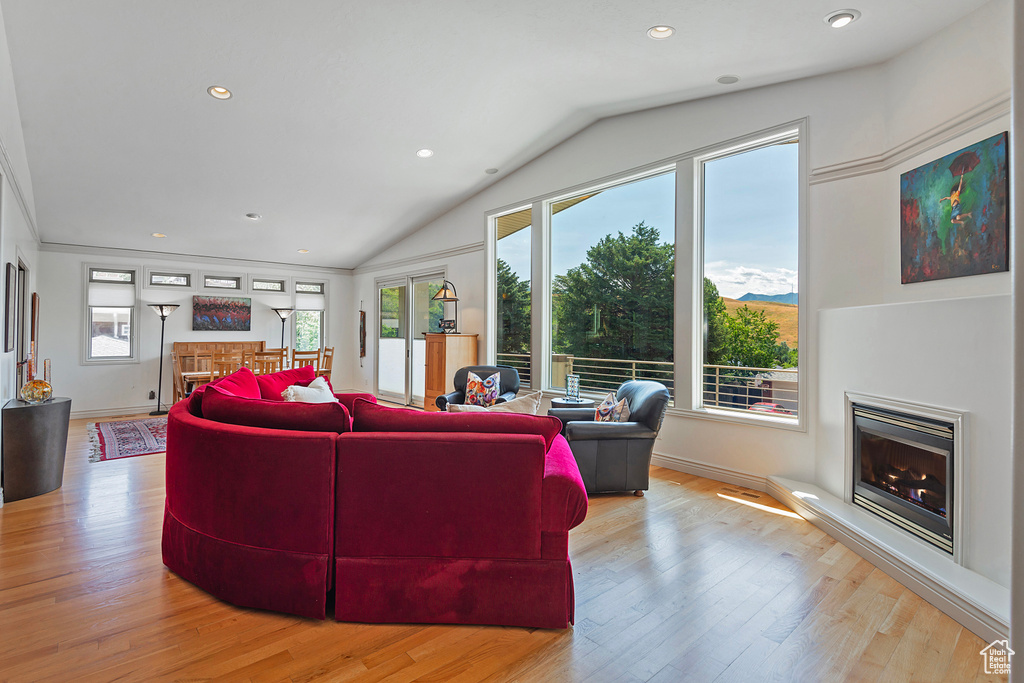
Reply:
x=230, y=313
x=954, y=214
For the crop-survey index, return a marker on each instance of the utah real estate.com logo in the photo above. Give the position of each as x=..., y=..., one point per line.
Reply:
x=997, y=657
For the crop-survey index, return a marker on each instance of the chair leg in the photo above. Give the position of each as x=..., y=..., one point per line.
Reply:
x=638, y=493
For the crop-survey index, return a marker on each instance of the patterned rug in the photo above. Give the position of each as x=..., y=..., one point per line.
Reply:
x=127, y=438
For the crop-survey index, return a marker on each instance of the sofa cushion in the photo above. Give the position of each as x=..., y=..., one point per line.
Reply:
x=525, y=405
x=221, y=406
x=370, y=417
x=271, y=385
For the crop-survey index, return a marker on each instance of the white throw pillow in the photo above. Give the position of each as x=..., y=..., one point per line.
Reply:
x=524, y=405
x=317, y=392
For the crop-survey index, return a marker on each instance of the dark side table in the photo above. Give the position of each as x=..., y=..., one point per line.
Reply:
x=35, y=438
x=572, y=403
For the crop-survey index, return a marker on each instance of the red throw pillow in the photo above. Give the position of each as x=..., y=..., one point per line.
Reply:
x=273, y=384
x=370, y=417
x=221, y=406
x=241, y=383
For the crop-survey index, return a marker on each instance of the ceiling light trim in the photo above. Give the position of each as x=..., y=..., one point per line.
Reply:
x=660, y=32
x=842, y=18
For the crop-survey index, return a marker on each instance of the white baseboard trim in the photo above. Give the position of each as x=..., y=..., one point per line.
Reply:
x=978, y=603
x=708, y=471
x=112, y=412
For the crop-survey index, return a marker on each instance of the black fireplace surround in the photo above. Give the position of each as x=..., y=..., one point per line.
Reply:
x=903, y=471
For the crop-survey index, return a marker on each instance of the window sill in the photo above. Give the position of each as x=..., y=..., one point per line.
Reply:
x=109, y=361
x=751, y=420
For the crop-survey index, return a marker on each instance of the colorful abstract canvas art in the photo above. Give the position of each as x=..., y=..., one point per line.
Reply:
x=230, y=313
x=954, y=214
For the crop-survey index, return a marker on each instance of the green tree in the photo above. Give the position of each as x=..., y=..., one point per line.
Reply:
x=619, y=303
x=752, y=339
x=513, y=311
x=716, y=331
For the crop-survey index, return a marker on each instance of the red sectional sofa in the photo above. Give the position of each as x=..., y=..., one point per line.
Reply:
x=404, y=516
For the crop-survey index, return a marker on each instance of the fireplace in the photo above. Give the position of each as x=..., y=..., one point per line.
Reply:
x=903, y=467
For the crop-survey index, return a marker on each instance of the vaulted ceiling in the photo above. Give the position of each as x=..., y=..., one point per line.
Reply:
x=332, y=99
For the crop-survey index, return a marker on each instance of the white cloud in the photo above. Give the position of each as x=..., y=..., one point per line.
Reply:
x=733, y=281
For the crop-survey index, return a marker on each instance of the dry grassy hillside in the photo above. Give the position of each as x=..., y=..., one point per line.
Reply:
x=784, y=314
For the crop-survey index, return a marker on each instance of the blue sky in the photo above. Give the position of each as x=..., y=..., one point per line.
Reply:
x=750, y=239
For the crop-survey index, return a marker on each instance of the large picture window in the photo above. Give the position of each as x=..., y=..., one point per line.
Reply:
x=750, y=235
x=612, y=293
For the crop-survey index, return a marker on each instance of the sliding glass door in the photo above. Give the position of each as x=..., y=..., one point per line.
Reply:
x=407, y=312
x=392, y=344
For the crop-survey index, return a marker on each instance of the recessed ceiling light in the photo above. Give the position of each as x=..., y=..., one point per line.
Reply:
x=159, y=234
x=841, y=18
x=660, y=32
x=424, y=153
x=303, y=251
x=219, y=92
x=490, y=171
x=728, y=79
x=253, y=216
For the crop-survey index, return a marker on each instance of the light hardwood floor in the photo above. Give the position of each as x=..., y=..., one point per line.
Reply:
x=681, y=585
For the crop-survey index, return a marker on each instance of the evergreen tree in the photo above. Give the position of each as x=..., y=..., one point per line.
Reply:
x=716, y=331
x=619, y=303
x=513, y=311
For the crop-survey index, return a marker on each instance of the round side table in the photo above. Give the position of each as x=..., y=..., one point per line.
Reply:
x=572, y=403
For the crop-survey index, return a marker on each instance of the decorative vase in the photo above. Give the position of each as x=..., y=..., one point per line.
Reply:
x=36, y=391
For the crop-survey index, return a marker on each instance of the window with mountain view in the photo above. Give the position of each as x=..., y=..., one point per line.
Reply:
x=750, y=340
x=612, y=293
x=513, y=307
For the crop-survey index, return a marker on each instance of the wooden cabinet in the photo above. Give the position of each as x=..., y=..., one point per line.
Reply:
x=445, y=354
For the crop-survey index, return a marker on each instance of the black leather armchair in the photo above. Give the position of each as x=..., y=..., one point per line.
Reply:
x=616, y=456
x=509, y=384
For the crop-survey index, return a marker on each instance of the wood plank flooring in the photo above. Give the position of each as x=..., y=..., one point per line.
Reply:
x=680, y=585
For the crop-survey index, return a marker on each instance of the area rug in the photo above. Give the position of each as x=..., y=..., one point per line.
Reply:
x=127, y=438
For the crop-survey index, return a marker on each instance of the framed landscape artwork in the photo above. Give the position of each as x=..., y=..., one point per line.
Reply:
x=227, y=313
x=954, y=214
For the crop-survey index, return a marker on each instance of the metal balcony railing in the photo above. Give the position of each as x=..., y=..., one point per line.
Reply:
x=771, y=391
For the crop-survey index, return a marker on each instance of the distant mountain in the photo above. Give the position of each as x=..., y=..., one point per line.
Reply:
x=790, y=298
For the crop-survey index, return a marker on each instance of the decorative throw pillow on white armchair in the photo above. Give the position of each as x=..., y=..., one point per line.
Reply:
x=317, y=392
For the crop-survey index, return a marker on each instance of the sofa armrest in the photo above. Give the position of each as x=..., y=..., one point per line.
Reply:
x=443, y=400
x=441, y=494
x=578, y=431
x=266, y=488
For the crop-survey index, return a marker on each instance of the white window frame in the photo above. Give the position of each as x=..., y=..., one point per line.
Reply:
x=286, y=284
x=315, y=283
x=85, y=350
x=325, y=336
x=689, y=350
x=150, y=271
x=242, y=278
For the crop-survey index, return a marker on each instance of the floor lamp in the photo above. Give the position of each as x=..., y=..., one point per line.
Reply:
x=162, y=310
x=284, y=313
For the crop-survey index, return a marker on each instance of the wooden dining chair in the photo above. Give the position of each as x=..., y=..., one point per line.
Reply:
x=223, y=363
x=285, y=355
x=179, y=381
x=301, y=359
x=200, y=370
x=326, y=362
x=265, y=362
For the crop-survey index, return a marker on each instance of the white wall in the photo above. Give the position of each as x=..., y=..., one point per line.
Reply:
x=114, y=389
x=17, y=235
x=865, y=127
